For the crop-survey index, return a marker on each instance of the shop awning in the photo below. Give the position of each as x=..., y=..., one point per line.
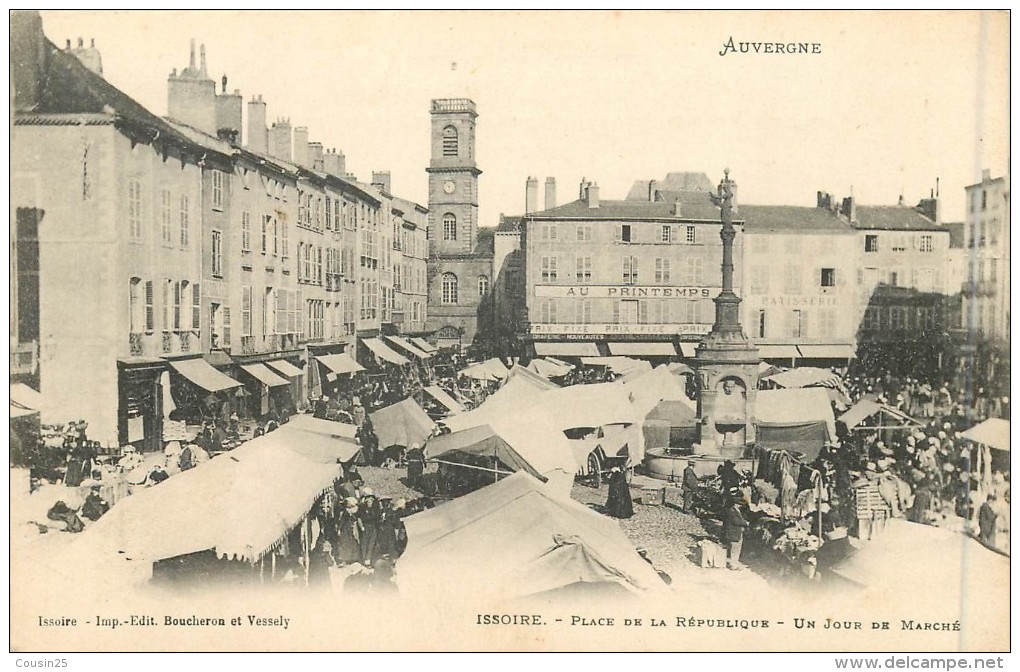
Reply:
x=689, y=350
x=340, y=363
x=993, y=432
x=385, y=352
x=264, y=375
x=827, y=351
x=24, y=396
x=424, y=345
x=409, y=347
x=444, y=398
x=778, y=351
x=285, y=367
x=643, y=349
x=201, y=373
x=567, y=349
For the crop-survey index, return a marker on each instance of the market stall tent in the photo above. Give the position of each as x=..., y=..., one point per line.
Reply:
x=548, y=368
x=798, y=420
x=489, y=370
x=535, y=379
x=516, y=538
x=993, y=432
x=889, y=417
x=513, y=398
x=402, y=424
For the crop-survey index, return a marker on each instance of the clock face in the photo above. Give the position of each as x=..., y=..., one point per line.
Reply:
x=449, y=186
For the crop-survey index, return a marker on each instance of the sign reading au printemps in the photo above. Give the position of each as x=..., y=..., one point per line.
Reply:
x=610, y=329
x=624, y=292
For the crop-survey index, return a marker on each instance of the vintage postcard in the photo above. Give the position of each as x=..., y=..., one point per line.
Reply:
x=677, y=331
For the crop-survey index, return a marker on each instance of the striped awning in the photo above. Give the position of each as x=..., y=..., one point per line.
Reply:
x=567, y=349
x=406, y=345
x=201, y=373
x=285, y=367
x=340, y=363
x=385, y=352
x=264, y=375
x=660, y=349
x=422, y=344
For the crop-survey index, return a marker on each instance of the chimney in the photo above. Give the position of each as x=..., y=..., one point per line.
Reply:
x=824, y=200
x=191, y=60
x=652, y=191
x=381, y=180
x=931, y=208
x=258, y=134
x=228, y=116
x=849, y=209
x=333, y=162
x=678, y=209
x=301, y=146
x=901, y=201
x=191, y=98
x=202, y=71
x=89, y=56
x=531, y=195
x=593, y=196
x=582, y=190
x=315, y=155
x=28, y=58
x=550, y=193
x=280, y=140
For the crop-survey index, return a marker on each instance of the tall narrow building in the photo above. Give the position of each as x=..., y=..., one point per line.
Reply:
x=460, y=260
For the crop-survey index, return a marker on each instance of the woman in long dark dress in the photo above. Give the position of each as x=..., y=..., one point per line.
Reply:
x=619, y=504
x=348, y=549
x=387, y=531
x=319, y=562
x=368, y=516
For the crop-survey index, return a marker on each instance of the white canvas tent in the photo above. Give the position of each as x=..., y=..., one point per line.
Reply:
x=993, y=432
x=490, y=369
x=515, y=539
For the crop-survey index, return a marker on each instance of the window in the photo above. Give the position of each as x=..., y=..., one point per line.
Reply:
x=583, y=308
x=925, y=243
x=761, y=324
x=547, y=312
x=792, y=279
x=871, y=243
x=167, y=293
x=828, y=277
x=179, y=290
x=662, y=270
x=245, y=232
x=796, y=324
x=899, y=243
x=185, y=224
x=692, y=312
x=548, y=232
x=329, y=213
x=217, y=190
x=150, y=311
x=691, y=235
x=760, y=279
x=667, y=233
x=483, y=285
x=135, y=208
x=628, y=311
x=549, y=269
x=196, y=307
x=246, y=311
x=984, y=199
x=265, y=233
x=693, y=270
x=449, y=288
x=217, y=254
x=276, y=238
x=625, y=234
x=584, y=232
x=165, y=218
x=449, y=227
x=630, y=270
x=269, y=312
x=894, y=278
x=284, y=240
x=826, y=323
x=450, y=141
x=583, y=269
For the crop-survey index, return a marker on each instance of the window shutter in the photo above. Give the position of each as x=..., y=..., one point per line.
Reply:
x=150, y=317
x=616, y=312
x=300, y=303
x=225, y=339
x=246, y=311
x=643, y=312
x=804, y=332
x=196, y=308
x=618, y=232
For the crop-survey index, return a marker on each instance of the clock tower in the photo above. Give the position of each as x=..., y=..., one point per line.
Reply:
x=460, y=260
x=453, y=177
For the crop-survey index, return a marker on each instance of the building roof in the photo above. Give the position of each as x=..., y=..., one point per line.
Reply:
x=789, y=218
x=956, y=234
x=694, y=206
x=677, y=181
x=893, y=218
x=509, y=223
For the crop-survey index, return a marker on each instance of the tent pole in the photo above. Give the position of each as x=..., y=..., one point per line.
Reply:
x=307, y=539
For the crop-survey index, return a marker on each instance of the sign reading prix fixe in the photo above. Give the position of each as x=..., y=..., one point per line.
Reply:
x=624, y=292
x=614, y=329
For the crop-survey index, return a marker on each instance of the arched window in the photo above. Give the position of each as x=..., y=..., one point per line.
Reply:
x=449, y=288
x=449, y=226
x=450, y=141
x=483, y=285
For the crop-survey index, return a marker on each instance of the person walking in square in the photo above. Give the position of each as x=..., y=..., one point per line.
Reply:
x=734, y=525
x=690, y=486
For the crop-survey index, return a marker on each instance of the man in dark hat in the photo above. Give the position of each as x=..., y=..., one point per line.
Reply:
x=730, y=478
x=986, y=521
x=690, y=486
x=734, y=525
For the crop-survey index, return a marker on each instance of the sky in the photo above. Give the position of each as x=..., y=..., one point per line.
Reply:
x=893, y=101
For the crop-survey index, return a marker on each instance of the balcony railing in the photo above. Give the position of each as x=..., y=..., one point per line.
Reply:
x=168, y=343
